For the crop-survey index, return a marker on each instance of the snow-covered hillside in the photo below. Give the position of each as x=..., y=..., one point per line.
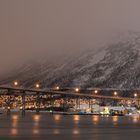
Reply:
x=117, y=65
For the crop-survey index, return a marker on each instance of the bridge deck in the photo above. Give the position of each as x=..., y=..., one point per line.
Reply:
x=20, y=91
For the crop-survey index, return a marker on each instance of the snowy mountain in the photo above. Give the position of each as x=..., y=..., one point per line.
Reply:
x=116, y=65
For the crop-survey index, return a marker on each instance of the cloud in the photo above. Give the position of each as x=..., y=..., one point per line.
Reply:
x=33, y=28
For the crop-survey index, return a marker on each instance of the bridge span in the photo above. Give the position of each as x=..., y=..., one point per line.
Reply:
x=86, y=93
x=37, y=94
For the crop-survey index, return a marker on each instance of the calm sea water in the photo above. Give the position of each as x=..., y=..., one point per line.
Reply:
x=59, y=127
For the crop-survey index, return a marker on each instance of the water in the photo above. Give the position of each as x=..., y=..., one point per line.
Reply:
x=57, y=127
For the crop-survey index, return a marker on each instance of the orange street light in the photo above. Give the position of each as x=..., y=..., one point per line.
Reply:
x=57, y=88
x=37, y=85
x=15, y=83
x=135, y=95
x=96, y=91
x=77, y=89
x=115, y=93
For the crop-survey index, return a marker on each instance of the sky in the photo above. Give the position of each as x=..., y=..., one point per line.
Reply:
x=56, y=28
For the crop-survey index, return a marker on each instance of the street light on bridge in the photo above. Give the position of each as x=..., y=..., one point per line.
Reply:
x=96, y=91
x=57, y=88
x=77, y=89
x=115, y=93
x=37, y=86
x=15, y=83
x=135, y=95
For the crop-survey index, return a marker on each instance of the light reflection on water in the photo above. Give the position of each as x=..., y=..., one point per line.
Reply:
x=36, y=125
x=115, y=120
x=76, y=131
x=76, y=119
x=14, y=130
x=57, y=118
x=135, y=119
x=15, y=117
x=56, y=131
x=36, y=120
x=35, y=131
x=95, y=119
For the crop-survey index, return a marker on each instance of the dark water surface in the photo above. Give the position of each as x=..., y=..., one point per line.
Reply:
x=59, y=127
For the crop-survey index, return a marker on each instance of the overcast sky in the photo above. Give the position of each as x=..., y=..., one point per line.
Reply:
x=29, y=28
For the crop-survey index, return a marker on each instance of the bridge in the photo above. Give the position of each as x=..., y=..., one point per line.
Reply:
x=71, y=92
x=66, y=93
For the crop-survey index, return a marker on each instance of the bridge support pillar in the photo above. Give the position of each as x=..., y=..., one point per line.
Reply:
x=63, y=105
x=77, y=103
x=23, y=104
x=138, y=103
x=8, y=111
x=90, y=104
x=9, y=106
x=38, y=104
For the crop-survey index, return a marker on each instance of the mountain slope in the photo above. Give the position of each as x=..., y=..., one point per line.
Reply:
x=117, y=65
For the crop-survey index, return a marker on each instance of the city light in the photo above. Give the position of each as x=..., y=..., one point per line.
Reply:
x=15, y=83
x=37, y=85
x=57, y=88
x=8, y=107
x=96, y=91
x=115, y=93
x=135, y=94
x=77, y=89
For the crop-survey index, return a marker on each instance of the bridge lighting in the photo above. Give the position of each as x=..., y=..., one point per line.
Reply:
x=37, y=85
x=135, y=94
x=57, y=88
x=96, y=91
x=77, y=89
x=15, y=83
x=115, y=93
